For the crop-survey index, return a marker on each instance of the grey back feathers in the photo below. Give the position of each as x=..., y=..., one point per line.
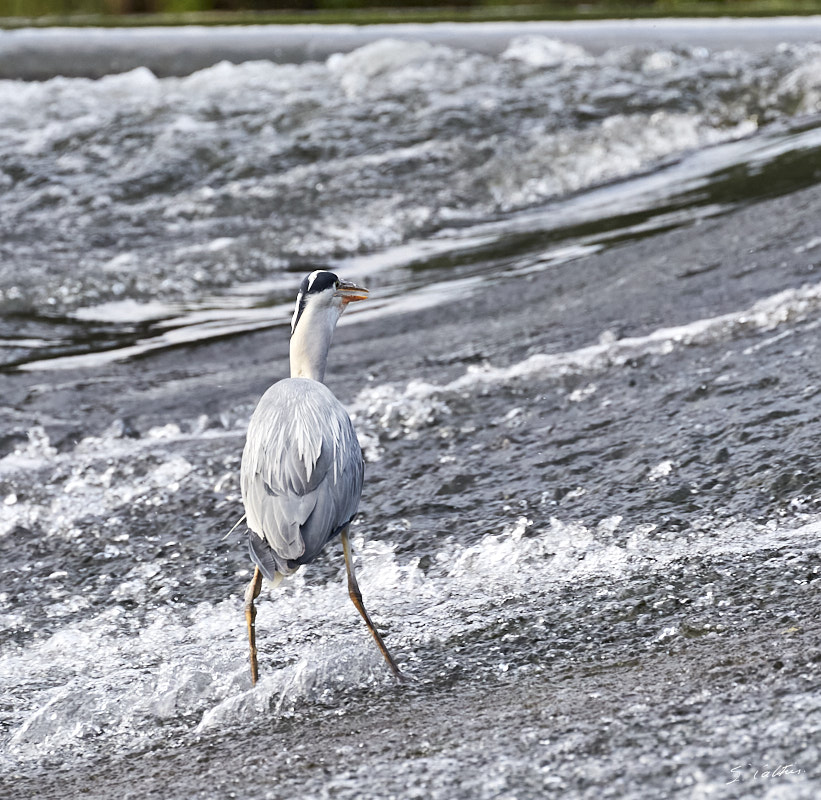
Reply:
x=301, y=474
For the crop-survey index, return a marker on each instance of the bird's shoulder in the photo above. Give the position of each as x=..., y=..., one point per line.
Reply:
x=298, y=433
x=300, y=402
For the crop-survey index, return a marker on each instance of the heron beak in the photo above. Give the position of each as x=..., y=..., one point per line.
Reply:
x=349, y=292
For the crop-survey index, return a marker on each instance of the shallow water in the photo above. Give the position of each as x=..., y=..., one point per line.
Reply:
x=585, y=384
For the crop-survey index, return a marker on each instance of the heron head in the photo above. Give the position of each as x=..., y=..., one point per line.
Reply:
x=323, y=290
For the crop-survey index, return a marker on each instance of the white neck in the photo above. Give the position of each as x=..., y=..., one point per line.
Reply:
x=311, y=341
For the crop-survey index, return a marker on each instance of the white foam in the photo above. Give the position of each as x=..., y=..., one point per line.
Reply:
x=787, y=307
x=110, y=149
x=96, y=684
x=121, y=311
x=96, y=477
x=550, y=164
x=544, y=51
x=803, y=86
x=393, y=411
x=402, y=65
x=397, y=412
x=662, y=470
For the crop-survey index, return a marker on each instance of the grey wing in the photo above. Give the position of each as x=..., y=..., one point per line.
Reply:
x=301, y=474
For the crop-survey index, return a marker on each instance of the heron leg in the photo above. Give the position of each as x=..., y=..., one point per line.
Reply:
x=356, y=596
x=251, y=593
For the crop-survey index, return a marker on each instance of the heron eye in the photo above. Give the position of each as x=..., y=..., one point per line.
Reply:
x=336, y=284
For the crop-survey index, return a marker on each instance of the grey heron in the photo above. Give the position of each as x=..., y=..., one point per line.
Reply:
x=302, y=466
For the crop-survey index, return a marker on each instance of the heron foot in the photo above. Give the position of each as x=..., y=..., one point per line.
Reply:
x=251, y=593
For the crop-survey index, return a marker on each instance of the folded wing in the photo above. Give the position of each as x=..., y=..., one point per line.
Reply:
x=301, y=474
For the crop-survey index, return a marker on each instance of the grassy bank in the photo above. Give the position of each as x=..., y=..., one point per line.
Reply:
x=18, y=13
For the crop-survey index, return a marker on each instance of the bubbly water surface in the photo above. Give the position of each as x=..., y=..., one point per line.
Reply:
x=590, y=525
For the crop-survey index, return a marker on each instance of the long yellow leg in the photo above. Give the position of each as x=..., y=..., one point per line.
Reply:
x=356, y=596
x=251, y=593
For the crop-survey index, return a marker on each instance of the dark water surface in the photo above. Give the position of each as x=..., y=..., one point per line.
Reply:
x=586, y=384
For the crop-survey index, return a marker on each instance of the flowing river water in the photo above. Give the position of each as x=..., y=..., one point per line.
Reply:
x=586, y=385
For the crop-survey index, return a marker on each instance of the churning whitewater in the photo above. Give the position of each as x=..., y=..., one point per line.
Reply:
x=585, y=384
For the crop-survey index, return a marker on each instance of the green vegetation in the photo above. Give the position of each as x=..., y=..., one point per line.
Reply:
x=14, y=13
